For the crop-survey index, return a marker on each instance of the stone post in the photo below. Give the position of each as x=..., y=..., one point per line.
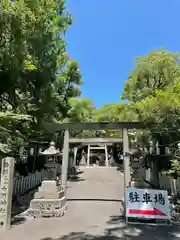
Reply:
x=126, y=157
x=65, y=160
x=106, y=155
x=88, y=155
x=157, y=148
x=167, y=150
x=126, y=162
x=154, y=164
x=6, y=191
x=71, y=159
x=75, y=155
x=150, y=147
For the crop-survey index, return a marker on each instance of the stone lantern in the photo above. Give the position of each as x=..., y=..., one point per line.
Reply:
x=51, y=156
x=49, y=200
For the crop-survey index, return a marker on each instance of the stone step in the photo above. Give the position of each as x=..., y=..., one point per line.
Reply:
x=47, y=195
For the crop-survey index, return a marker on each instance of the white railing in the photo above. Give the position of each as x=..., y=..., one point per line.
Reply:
x=23, y=184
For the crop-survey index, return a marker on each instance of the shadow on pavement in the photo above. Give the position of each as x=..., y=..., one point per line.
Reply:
x=75, y=179
x=20, y=206
x=118, y=229
x=120, y=168
x=17, y=220
x=76, y=176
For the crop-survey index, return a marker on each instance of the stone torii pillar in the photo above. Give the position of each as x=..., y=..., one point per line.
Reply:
x=126, y=162
x=106, y=155
x=88, y=155
x=65, y=160
x=126, y=157
x=75, y=155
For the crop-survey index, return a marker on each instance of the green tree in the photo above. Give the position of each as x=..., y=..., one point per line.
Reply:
x=116, y=112
x=82, y=110
x=153, y=91
x=162, y=109
x=37, y=76
x=158, y=70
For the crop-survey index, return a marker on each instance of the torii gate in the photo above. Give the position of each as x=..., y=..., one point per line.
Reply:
x=125, y=125
x=52, y=194
x=101, y=143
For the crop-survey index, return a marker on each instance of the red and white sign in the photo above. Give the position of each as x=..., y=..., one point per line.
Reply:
x=147, y=203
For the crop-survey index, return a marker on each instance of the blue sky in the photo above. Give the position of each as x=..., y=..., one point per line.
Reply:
x=107, y=35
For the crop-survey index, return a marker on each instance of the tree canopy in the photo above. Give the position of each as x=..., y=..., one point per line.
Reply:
x=38, y=78
x=152, y=94
x=158, y=70
x=39, y=82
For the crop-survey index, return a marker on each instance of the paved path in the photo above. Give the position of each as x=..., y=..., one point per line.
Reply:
x=93, y=213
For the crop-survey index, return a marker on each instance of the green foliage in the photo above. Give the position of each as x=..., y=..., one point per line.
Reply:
x=37, y=76
x=116, y=112
x=153, y=90
x=158, y=70
x=81, y=110
x=40, y=83
x=175, y=165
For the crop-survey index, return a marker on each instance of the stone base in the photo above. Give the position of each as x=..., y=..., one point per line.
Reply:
x=49, y=201
x=49, y=190
x=47, y=208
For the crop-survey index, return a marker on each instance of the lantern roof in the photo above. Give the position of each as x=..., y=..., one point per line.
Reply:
x=51, y=151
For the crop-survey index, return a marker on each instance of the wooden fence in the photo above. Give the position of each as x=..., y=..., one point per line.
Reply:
x=23, y=184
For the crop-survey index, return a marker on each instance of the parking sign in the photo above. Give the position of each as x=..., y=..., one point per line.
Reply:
x=147, y=203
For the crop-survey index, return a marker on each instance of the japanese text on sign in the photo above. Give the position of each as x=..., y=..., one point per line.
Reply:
x=147, y=203
x=6, y=191
x=146, y=198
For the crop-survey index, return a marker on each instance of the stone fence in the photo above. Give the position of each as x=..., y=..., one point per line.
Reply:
x=170, y=184
x=166, y=182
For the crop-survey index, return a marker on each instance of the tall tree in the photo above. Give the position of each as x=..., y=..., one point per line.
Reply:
x=162, y=109
x=158, y=70
x=116, y=112
x=37, y=76
x=82, y=110
x=153, y=90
